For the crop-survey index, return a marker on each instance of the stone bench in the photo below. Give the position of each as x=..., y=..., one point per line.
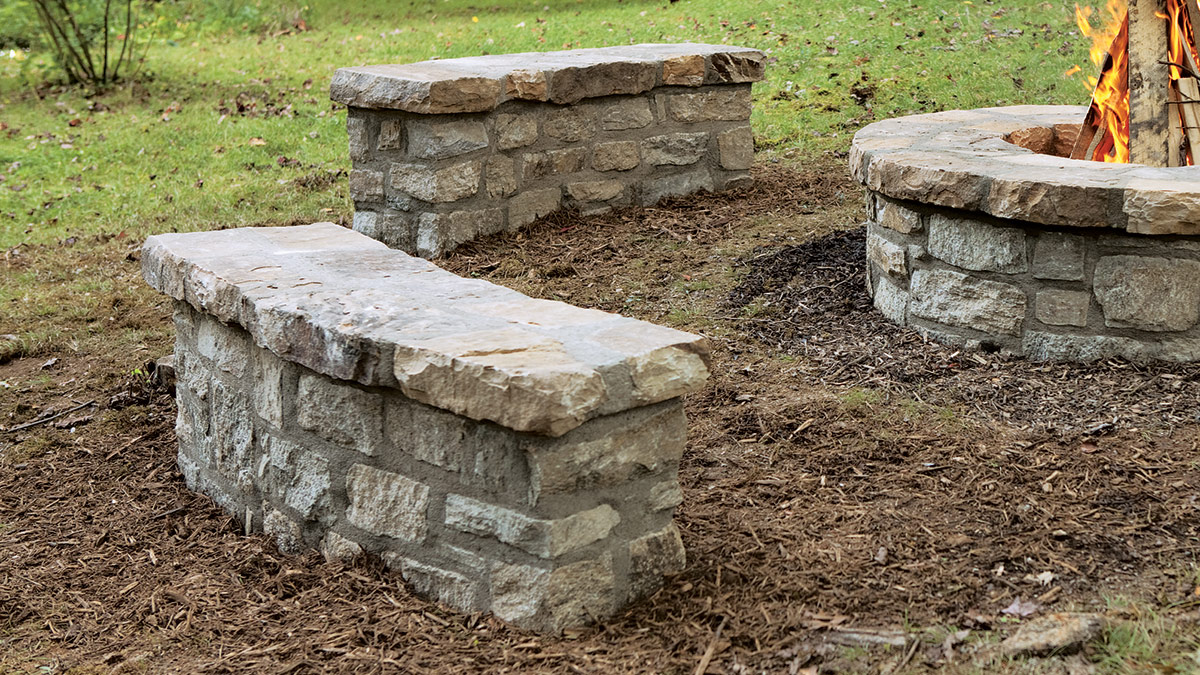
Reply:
x=447, y=151
x=505, y=454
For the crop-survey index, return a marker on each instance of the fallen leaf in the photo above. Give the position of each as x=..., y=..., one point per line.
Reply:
x=257, y=141
x=1020, y=608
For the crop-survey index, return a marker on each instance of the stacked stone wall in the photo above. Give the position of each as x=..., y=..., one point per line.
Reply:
x=1055, y=293
x=555, y=131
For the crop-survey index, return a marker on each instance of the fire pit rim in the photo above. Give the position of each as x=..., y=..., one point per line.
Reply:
x=962, y=159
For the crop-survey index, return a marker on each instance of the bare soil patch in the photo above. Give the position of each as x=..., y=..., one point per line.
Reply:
x=841, y=473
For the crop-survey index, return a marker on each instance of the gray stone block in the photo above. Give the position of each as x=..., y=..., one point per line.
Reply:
x=1147, y=293
x=339, y=413
x=736, y=148
x=437, y=185
x=387, y=504
x=595, y=190
x=225, y=347
x=1058, y=256
x=896, y=217
x=544, y=538
x=552, y=162
x=653, y=556
x=356, y=129
x=445, y=586
x=654, y=189
x=528, y=206
x=977, y=246
x=959, y=300
x=628, y=113
x=439, y=139
x=391, y=135
x=366, y=186
x=718, y=103
x=550, y=601
x=570, y=124
x=501, y=176
x=515, y=131
x=890, y=258
x=440, y=232
x=1056, y=307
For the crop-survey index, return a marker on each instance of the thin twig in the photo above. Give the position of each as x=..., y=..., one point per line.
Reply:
x=712, y=649
x=51, y=418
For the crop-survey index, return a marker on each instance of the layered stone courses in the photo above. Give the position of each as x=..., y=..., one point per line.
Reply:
x=339, y=395
x=436, y=145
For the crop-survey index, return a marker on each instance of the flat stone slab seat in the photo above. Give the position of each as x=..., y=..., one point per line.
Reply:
x=506, y=454
x=981, y=234
x=447, y=151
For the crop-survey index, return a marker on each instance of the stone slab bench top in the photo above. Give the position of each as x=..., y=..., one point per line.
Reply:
x=347, y=306
x=480, y=83
x=965, y=159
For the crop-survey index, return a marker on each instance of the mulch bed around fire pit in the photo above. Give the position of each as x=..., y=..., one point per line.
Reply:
x=841, y=473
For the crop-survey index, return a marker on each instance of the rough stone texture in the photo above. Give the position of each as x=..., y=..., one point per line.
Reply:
x=1058, y=256
x=896, y=217
x=960, y=300
x=324, y=384
x=501, y=132
x=438, y=232
x=1148, y=293
x=890, y=257
x=1059, y=633
x=977, y=246
x=1056, y=307
x=891, y=300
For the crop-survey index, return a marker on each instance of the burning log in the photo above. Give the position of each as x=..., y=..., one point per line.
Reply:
x=1149, y=80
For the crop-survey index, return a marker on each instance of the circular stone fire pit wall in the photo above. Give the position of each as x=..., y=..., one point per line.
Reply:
x=980, y=234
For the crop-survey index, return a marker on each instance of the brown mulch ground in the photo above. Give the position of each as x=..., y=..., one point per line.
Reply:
x=841, y=473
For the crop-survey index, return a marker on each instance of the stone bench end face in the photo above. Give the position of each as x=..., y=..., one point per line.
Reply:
x=444, y=152
x=502, y=453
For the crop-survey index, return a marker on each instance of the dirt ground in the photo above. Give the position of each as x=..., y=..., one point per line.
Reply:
x=847, y=484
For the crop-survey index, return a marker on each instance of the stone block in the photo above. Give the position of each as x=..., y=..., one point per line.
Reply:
x=445, y=138
x=1058, y=256
x=608, y=451
x=665, y=495
x=445, y=586
x=959, y=300
x=1045, y=346
x=440, y=232
x=562, y=161
x=570, y=124
x=730, y=104
x=357, y=130
x=286, y=533
x=366, y=186
x=387, y=504
x=1148, y=293
x=483, y=455
x=625, y=113
x=391, y=135
x=295, y=476
x=527, y=84
x=890, y=258
x=528, y=206
x=736, y=148
x=653, y=556
x=1056, y=307
x=437, y=185
x=615, y=156
x=391, y=228
x=227, y=348
x=339, y=413
x=679, y=149
x=654, y=189
x=735, y=67
x=547, y=600
x=896, y=217
x=976, y=245
x=515, y=131
x=684, y=71
x=544, y=538
x=336, y=548
x=595, y=190
x=891, y=300
x=232, y=432
x=500, y=176
x=269, y=388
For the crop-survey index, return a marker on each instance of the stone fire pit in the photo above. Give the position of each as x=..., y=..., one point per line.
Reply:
x=981, y=234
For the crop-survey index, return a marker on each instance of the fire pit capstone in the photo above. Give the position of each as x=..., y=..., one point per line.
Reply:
x=980, y=234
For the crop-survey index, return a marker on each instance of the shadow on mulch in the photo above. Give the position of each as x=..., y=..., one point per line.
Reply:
x=840, y=472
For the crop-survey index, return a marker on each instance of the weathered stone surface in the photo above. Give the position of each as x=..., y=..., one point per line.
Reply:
x=1154, y=294
x=735, y=67
x=553, y=600
x=570, y=124
x=1059, y=633
x=977, y=246
x=684, y=71
x=651, y=557
x=449, y=138
x=1056, y=307
x=615, y=156
x=528, y=85
x=889, y=257
x=366, y=185
x=665, y=495
x=959, y=300
x=530, y=205
x=428, y=88
x=227, y=347
x=729, y=104
x=325, y=297
x=295, y=476
x=595, y=190
x=437, y=185
x=895, y=217
x=654, y=189
x=386, y=504
x=1058, y=256
x=515, y=131
x=627, y=113
x=336, y=548
x=543, y=538
x=1163, y=205
x=482, y=454
x=284, y=530
x=338, y=412
x=736, y=148
x=391, y=135
x=608, y=452
x=443, y=585
x=356, y=129
x=440, y=232
x=536, y=165
x=891, y=300
x=500, y=175
x=232, y=433
x=390, y=228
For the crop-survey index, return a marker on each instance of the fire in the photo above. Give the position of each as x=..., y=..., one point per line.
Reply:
x=1106, y=129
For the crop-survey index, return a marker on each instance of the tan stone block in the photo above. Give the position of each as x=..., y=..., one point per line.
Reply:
x=736, y=147
x=684, y=71
x=615, y=156
x=442, y=185
x=595, y=190
x=1148, y=293
x=719, y=103
x=529, y=85
x=500, y=176
x=570, y=124
x=515, y=131
x=366, y=185
x=1056, y=307
x=386, y=504
x=391, y=135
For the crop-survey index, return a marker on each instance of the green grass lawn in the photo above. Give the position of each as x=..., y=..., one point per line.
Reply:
x=176, y=151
